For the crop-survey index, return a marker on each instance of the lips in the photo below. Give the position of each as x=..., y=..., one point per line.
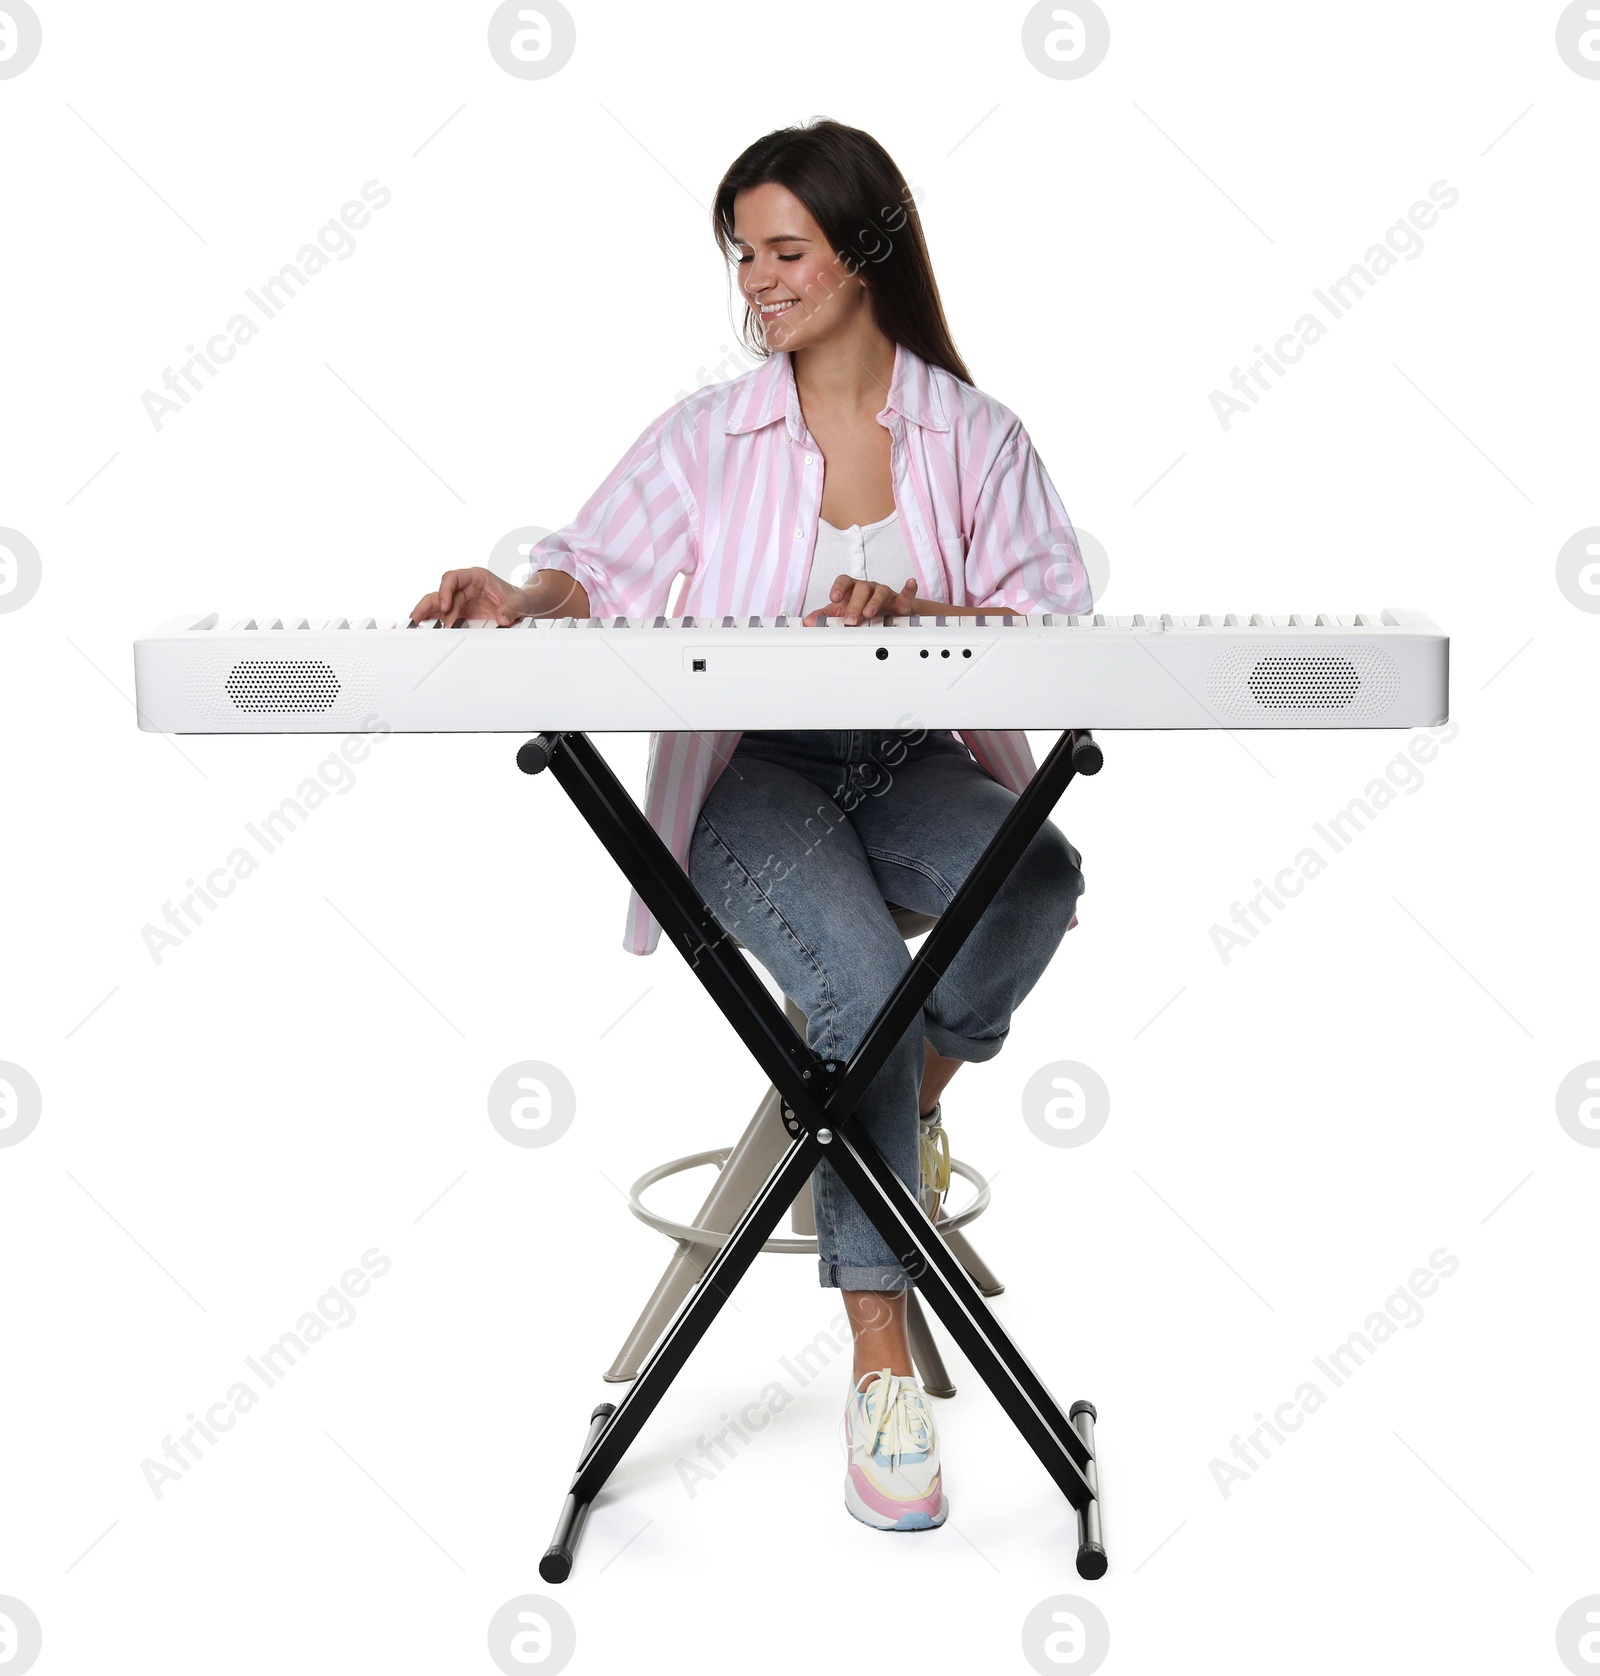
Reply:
x=775, y=314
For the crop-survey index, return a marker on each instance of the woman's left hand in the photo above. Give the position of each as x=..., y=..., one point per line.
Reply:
x=857, y=600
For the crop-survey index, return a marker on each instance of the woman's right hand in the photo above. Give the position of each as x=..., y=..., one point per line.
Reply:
x=472, y=593
x=857, y=600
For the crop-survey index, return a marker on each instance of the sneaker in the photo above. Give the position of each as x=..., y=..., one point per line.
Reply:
x=892, y=1481
x=934, y=1150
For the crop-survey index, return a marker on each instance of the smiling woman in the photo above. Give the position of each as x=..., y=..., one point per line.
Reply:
x=856, y=473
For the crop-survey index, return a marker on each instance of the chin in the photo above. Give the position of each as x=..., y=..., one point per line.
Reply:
x=789, y=337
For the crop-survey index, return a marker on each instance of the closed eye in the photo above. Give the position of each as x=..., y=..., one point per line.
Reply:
x=795, y=258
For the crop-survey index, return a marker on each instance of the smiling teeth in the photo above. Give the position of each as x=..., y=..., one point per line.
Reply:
x=777, y=308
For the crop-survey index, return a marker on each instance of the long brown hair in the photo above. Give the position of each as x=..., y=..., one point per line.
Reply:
x=858, y=197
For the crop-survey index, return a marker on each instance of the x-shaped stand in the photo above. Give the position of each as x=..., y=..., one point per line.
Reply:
x=819, y=1097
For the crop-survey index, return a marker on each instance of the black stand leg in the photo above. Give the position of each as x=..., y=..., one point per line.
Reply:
x=557, y=1561
x=819, y=1097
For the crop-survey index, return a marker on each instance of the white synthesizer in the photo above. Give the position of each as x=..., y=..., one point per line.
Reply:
x=627, y=675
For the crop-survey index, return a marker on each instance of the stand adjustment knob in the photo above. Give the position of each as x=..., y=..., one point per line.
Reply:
x=534, y=757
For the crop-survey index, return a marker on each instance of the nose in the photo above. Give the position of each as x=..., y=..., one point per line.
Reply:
x=757, y=284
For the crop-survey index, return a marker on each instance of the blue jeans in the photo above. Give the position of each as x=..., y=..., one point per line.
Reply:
x=802, y=841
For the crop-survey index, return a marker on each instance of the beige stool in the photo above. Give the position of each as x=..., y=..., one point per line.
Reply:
x=742, y=1170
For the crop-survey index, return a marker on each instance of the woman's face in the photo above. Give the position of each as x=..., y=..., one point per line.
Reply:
x=795, y=283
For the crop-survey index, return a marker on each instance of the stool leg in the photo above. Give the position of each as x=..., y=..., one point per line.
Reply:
x=925, y=1349
x=983, y=1276
x=738, y=1181
x=802, y=1216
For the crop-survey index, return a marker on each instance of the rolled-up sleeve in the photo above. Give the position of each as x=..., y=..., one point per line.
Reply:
x=1023, y=551
x=633, y=535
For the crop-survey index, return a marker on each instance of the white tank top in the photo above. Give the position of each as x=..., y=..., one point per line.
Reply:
x=870, y=552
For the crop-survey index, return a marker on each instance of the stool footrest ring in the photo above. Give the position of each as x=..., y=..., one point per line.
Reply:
x=793, y=1245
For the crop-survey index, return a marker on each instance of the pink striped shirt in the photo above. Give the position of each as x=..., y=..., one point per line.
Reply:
x=725, y=489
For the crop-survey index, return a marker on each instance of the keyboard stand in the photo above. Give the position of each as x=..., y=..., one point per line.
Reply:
x=819, y=1097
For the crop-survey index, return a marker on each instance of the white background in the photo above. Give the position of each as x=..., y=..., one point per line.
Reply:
x=1292, y=1132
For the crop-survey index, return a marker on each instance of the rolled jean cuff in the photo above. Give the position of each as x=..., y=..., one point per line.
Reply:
x=973, y=1049
x=852, y=1278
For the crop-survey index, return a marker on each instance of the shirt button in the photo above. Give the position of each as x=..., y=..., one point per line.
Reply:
x=797, y=535
x=810, y=459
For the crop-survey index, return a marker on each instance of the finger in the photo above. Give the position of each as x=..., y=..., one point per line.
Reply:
x=426, y=607
x=860, y=593
x=884, y=602
x=463, y=595
x=882, y=595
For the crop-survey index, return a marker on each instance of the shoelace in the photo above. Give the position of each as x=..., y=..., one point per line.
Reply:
x=935, y=1159
x=896, y=1414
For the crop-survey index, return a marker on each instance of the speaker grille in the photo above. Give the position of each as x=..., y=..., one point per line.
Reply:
x=340, y=688
x=280, y=684
x=1304, y=683
x=1358, y=681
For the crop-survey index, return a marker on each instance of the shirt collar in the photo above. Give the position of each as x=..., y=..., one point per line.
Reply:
x=772, y=395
